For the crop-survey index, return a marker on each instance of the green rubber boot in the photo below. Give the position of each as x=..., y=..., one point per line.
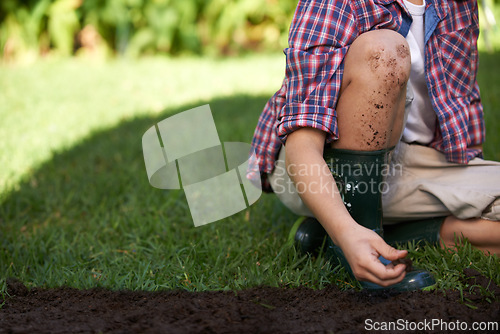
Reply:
x=359, y=176
x=307, y=235
x=425, y=230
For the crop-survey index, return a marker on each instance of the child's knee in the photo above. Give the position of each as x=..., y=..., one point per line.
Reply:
x=382, y=55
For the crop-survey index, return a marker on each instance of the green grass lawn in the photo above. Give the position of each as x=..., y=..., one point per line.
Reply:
x=76, y=206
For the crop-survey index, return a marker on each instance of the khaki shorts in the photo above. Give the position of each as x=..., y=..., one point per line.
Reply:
x=422, y=185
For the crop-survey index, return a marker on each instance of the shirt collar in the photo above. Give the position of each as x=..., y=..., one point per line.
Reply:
x=441, y=6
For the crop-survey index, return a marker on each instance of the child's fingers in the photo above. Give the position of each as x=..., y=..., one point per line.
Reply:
x=390, y=253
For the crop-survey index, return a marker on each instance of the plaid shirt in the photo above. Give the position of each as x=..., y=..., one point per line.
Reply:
x=320, y=35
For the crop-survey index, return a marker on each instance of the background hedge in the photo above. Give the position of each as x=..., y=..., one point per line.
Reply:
x=138, y=27
x=143, y=27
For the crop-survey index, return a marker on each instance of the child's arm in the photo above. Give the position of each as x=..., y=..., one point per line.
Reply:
x=317, y=188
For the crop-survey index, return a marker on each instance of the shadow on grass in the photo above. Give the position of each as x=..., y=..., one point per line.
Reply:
x=106, y=172
x=95, y=197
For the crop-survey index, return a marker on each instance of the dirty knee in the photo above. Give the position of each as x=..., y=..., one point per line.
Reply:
x=386, y=55
x=388, y=58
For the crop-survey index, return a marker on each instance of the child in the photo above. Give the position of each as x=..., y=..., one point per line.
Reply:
x=380, y=111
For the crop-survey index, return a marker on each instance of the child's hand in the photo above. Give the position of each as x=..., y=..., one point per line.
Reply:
x=362, y=248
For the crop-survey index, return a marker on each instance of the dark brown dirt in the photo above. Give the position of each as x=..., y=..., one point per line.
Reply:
x=402, y=51
x=373, y=60
x=255, y=310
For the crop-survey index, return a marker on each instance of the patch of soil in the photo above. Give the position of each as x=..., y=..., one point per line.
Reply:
x=255, y=310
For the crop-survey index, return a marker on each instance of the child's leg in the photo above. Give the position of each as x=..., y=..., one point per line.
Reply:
x=483, y=234
x=371, y=106
x=424, y=184
x=370, y=109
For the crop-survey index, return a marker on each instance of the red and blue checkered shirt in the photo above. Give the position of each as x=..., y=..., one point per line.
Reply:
x=320, y=35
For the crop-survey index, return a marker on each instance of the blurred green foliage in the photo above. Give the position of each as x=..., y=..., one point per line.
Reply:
x=29, y=28
x=138, y=27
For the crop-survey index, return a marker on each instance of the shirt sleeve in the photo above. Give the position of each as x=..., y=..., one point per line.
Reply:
x=476, y=128
x=320, y=35
x=476, y=125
